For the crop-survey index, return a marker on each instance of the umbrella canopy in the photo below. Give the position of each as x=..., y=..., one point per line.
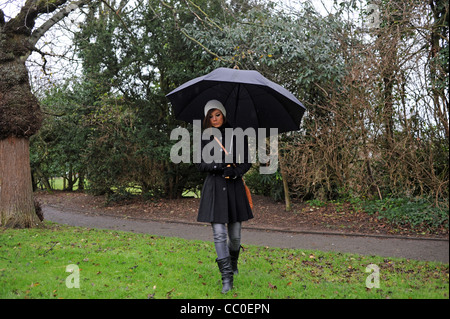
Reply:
x=250, y=100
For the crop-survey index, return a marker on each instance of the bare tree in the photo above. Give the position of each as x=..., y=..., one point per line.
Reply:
x=20, y=114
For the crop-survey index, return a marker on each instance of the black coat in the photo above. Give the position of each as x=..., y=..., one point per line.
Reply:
x=224, y=200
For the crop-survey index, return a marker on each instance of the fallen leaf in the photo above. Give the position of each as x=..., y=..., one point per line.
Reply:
x=168, y=294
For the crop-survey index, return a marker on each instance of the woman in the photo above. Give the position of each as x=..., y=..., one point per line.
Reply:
x=223, y=202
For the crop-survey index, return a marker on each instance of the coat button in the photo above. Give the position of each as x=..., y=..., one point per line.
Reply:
x=224, y=188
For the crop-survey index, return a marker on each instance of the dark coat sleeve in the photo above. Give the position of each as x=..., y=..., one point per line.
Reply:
x=210, y=167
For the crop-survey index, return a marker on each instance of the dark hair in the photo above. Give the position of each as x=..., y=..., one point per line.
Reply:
x=207, y=122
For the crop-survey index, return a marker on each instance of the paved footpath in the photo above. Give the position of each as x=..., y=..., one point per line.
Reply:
x=419, y=249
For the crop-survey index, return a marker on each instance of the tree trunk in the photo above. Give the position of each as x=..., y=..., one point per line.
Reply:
x=81, y=181
x=287, y=195
x=20, y=118
x=16, y=192
x=20, y=114
x=43, y=179
x=437, y=73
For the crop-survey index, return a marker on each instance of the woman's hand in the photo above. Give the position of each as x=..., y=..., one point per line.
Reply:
x=229, y=172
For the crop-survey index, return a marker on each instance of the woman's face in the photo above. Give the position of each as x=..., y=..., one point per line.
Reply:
x=216, y=118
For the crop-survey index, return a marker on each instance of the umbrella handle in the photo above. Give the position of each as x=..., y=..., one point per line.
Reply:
x=226, y=152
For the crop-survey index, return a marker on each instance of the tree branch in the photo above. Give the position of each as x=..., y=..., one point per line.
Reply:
x=211, y=22
x=39, y=32
x=24, y=21
x=133, y=39
x=183, y=31
x=2, y=18
x=205, y=48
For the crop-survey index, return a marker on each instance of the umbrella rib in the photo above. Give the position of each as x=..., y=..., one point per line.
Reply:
x=254, y=106
x=187, y=107
x=290, y=117
x=227, y=98
x=237, y=101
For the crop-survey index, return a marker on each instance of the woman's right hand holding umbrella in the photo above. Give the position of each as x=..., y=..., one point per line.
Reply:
x=229, y=172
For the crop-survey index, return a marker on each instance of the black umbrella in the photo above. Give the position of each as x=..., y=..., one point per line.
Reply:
x=250, y=100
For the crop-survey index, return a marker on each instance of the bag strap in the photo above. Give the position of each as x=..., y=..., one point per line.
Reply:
x=247, y=190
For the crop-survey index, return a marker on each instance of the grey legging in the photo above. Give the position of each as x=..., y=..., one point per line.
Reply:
x=220, y=238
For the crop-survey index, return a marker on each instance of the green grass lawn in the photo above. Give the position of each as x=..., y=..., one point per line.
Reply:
x=115, y=264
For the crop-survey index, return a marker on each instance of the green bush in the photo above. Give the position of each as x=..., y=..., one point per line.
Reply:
x=270, y=185
x=416, y=212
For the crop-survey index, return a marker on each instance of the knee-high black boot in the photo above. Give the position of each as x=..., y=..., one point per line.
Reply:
x=234, y=260
x=227, y=273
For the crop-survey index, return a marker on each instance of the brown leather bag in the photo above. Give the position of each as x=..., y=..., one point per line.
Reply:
x=249, y=195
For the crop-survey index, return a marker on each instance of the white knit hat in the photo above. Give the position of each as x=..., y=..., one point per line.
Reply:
x=214, y=104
